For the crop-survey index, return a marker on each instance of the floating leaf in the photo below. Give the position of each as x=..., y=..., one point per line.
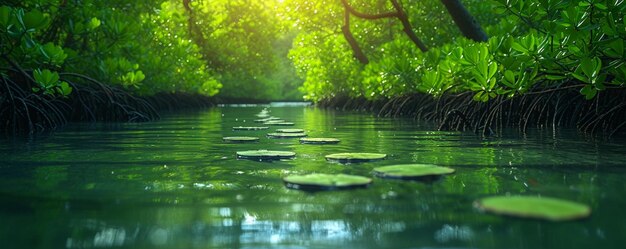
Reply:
x=240, y=139
x=265, y=155
x=268, y=119
x=319, y=140
x=285, y=135
x=355, y=157
x=279, y=123
x=326, y=181
x=412, y=171
x=290, y=130
x=273, y=121
x=534, y=207
x=250, y=128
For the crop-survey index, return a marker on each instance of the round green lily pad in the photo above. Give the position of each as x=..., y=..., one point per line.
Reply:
x=268, y=119
x=286, y=135
x=355, y=157
x=265, y=155
x=241, y=139
x=534, y=207
x=290, y=130
x=326, y=181
x=279, y=123
x=274, y=121
x=412, y=171
x=250, y=128
x=319, y=140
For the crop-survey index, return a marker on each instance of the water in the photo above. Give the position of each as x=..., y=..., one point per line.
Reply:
x=175, y=184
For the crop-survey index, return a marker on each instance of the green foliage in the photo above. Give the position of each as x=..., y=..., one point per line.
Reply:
x=141, y=47
x=48, y=83
x=533, y=45
x=258, y=49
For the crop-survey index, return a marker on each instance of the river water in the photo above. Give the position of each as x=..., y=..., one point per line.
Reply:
x=175, y=184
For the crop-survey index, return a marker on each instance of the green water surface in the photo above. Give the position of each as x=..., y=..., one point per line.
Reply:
x=175, y=184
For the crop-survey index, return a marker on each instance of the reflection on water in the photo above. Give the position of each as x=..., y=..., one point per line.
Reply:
x=175, y=184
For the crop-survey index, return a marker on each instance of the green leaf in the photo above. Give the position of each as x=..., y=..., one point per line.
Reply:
x=64, y=89
x=493, y=69
x=471, y=54
x=518, y=47
x=480, y=97
x=34, y=20
x=589, y=92
x=46, y=77
x=509, y=78
x=616, y=48
x=534, y=207
x=53, y=54
x=411, y=171
x=5, y=17
x=93, y=23
x=555, y=77
x=355, y=157
x=325, y=181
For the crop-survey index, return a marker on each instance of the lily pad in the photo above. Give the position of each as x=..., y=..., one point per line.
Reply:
x=268, y=119
x=250, y=128
x=279, y=123
x=286, y=135
x=262, y=155
x=319, y=140
x=355, y=157
x=263, y=115
x=272, y=121
x=241, y=139
x=326, y=181
x=290, y=130
x=534, y=207
x=412, y=171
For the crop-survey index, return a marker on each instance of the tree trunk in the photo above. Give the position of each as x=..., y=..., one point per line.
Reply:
x=465, y=21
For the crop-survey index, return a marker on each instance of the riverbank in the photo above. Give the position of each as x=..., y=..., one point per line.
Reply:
x=605, y=115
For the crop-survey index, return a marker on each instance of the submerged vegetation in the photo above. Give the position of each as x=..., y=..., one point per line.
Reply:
x=471, y=64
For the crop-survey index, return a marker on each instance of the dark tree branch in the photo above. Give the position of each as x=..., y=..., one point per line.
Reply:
x=399, y=13
x=358, y=53
x=406, y=26
x=367, y=16
x=465, y=21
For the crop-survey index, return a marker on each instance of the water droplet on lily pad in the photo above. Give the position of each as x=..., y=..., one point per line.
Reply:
x=314, y=182
x=286, y=135
x=290, y=130
x=240, y=139
x=319, y=140
x=355, y=157
x=263, y=155
x=412, y=171
x=546, y=208
x=250, y=128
